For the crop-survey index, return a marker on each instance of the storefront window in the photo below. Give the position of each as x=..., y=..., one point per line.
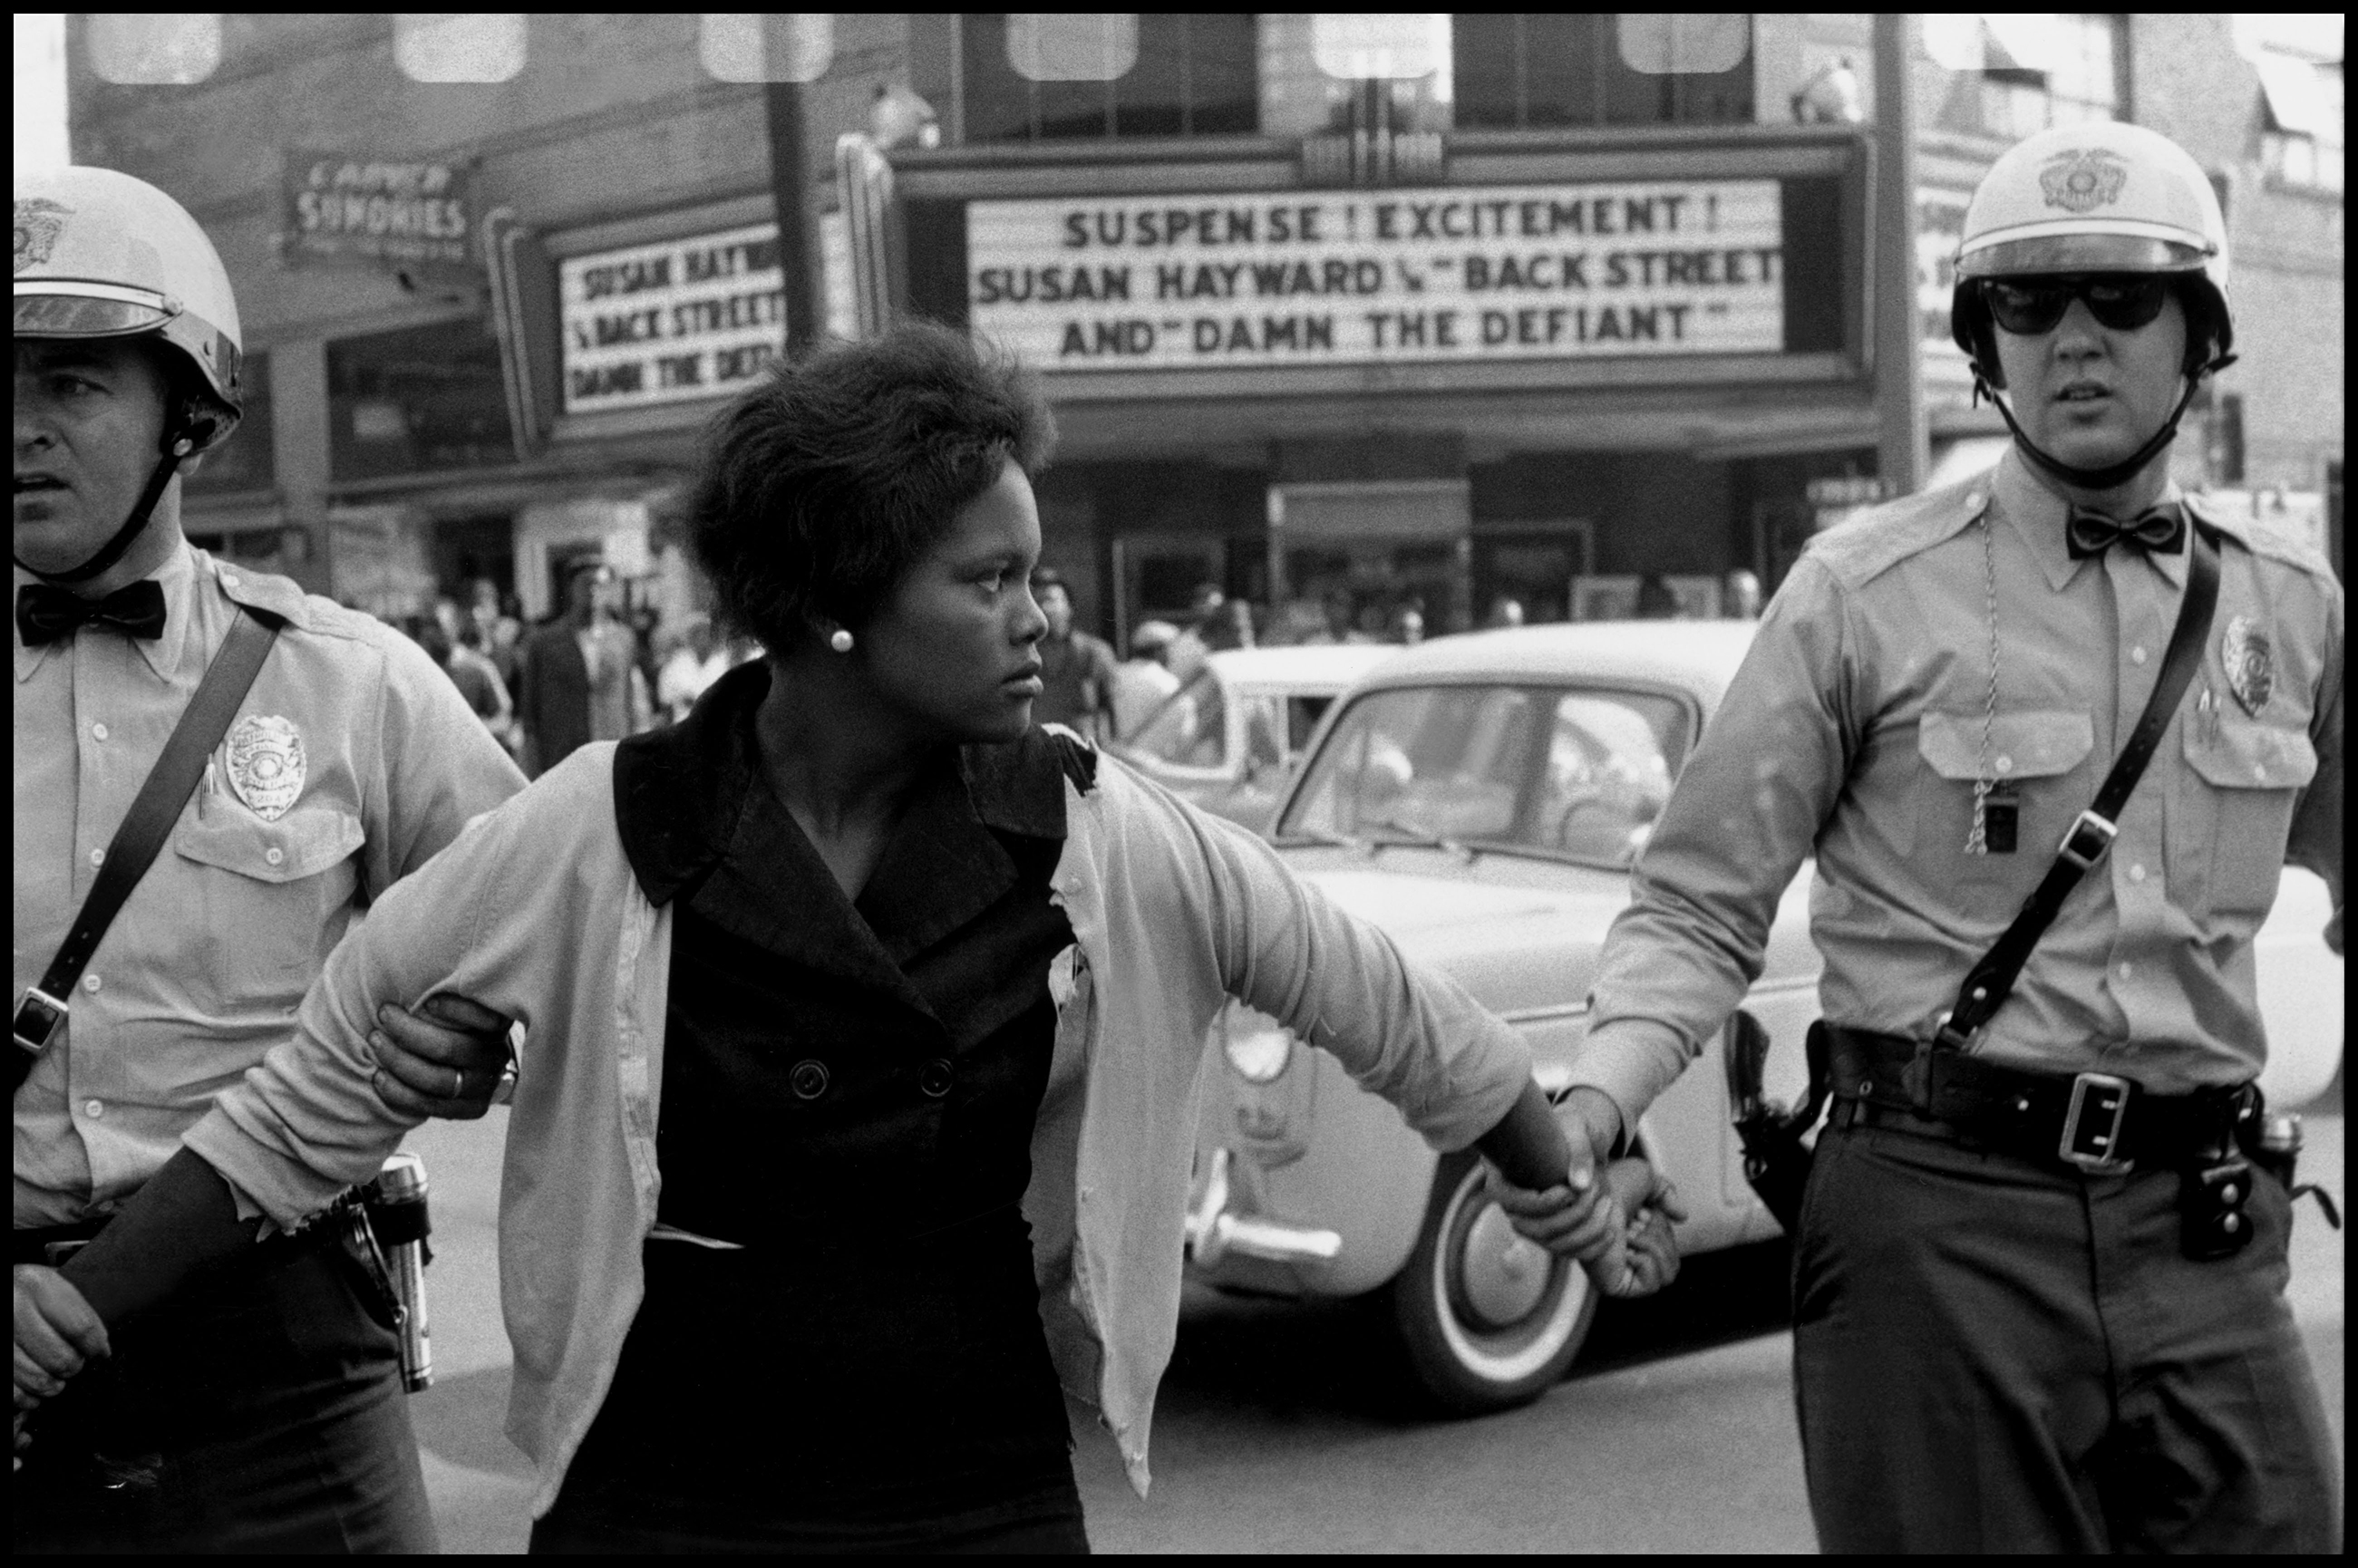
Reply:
x=1541, y=70
x=244, y=461
x=2023, y=71
x=2302, y=136
x=418, y=399
x=1047, y=77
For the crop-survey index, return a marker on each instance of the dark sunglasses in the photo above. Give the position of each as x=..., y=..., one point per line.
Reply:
x=2121, y=301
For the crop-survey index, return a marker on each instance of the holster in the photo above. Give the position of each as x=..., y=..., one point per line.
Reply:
x=1775, y=1154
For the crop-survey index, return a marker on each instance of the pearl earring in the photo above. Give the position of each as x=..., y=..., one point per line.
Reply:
x=840, y=641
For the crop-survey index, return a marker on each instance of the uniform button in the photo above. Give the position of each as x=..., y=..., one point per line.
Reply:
x=935, y=1078
x=2136, y=873
x=273, y=855
x=93, y=1107
x=2136, y=654
x=2260, y=772
x=1972, y=500
x=2005, y=765
x=2126, y=971
x=99, y=731
x=90, y=984
x=807, y=1079
x=98, y=856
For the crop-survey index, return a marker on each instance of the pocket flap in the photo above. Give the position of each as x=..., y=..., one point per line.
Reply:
x=2243, y=753
x=303, y=843
x=2028, y=743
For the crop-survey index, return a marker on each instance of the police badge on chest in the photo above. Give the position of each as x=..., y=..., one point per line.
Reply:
x=265, y=764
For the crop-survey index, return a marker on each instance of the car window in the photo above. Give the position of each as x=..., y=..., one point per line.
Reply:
x=1191, y=728
x=1302, y=715
x=1576, y=773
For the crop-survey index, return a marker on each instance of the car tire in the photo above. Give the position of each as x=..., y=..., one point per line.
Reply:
x=1479, y=1334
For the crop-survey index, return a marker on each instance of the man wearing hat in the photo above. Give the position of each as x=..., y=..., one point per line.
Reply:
x=2051, y=736
x=265, y=1412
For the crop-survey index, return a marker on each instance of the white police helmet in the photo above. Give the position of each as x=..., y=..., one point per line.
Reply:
x=102, y=254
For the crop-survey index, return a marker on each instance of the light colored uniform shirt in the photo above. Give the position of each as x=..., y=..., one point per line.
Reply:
x=1854, y=730
x=1172, y=913
x=200, y=972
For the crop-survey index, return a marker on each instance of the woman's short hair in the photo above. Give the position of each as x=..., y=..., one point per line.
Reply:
x=822, y=487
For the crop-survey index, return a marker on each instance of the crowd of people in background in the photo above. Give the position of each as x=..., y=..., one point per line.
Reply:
x=599, y=668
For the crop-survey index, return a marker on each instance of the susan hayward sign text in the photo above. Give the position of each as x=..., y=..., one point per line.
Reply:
x=1321, y=278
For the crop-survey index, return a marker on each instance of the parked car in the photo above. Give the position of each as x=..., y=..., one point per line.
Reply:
x=1481, y=798
x=1226, y=738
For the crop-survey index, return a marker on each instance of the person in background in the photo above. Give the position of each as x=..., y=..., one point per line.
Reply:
x=503, y=643
x=696, y=659
x=1408, y=624
x=1076, y=670
x=1143, y=680
x=1505, y=611
x=1741, y=600
x=480, y=683
x=580, y=678
x=1657, y=601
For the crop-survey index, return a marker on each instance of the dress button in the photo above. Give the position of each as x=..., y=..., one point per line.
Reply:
x=273, y=855
x=90, y=983
x=807, y=1079
x=98, y=856
x=99, y=731
x=935, y=1078
x=2136, y=654
x=93, y=1107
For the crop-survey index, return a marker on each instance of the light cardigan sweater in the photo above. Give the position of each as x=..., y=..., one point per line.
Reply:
x=534, y=912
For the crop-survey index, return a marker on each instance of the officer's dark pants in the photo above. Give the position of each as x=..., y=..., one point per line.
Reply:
x=1992, y=1355
x=263, y=1413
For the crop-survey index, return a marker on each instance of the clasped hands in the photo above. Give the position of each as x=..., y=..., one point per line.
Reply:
x=1614, y=1218
x=445, y=1059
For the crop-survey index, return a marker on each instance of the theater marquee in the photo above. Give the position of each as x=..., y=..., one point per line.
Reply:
x=1318, y=277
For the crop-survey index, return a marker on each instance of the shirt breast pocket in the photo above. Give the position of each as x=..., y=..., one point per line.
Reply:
x=270, y=901
x=2228, y=830
x=2034, y=757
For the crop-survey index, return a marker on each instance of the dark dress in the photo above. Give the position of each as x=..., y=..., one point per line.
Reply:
x=848, y=1092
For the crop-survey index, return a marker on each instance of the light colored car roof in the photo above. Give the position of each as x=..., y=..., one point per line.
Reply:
x=1313, y=668
x=1699, y=655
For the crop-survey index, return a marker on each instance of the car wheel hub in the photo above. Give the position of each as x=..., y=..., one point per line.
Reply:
x=1503, y=1276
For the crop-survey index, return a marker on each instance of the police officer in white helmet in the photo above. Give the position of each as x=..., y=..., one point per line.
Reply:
x=214, y=773
x=2051, y=735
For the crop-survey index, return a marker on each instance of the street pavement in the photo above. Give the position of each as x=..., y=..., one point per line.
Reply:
x=1285, y=1428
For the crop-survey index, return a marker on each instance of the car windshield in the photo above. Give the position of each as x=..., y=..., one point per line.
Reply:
x=1579, y=773
x=1191, y=728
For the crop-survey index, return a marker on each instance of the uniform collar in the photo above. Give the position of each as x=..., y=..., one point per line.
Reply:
x=178, y=575
x=2038, y=514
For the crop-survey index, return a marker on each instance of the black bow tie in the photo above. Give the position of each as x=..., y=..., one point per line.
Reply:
x=45, y=613
x=2091, y=533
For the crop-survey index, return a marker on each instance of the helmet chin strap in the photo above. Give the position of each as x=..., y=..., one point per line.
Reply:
x=177, y=445
x=2112, y=474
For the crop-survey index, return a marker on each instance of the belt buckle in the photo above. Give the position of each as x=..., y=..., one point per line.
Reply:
x=37, y=1016
x=2090, y=1147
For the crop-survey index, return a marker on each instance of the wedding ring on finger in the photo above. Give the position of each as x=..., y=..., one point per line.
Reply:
x=458, y=1084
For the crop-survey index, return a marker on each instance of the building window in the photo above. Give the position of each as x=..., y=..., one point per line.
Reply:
x=416, y=400
x=1541, y=71
x=1065, y=76
x=2301, y=135
x=2023, y=71
x=242, y=462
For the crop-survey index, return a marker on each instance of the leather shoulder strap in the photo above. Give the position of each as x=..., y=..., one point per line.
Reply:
x=1991, y=980
x=148, y=823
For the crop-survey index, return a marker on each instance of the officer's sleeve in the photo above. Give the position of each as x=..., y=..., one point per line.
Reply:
x=1740, y=822
x=2315, y=839
x=437, y=767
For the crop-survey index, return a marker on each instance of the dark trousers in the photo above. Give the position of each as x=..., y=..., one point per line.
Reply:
x=1993, y=1354
x=261, y=1413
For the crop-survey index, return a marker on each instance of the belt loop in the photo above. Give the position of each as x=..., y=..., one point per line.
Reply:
x=1916, y=1078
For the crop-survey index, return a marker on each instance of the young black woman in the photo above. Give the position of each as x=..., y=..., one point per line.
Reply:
x=865, y=1025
